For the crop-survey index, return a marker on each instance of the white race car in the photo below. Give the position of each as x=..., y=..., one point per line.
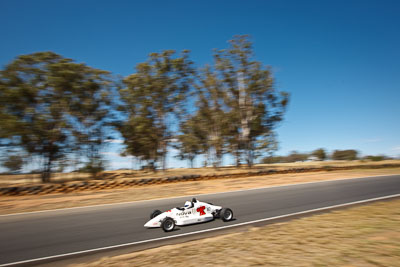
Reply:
x=193, y=212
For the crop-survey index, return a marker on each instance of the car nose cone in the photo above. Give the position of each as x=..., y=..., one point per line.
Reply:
x=153, y=223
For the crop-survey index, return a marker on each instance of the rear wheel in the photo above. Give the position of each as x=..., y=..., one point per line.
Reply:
x=226, y=214
x=168, y=224
x=155, y=213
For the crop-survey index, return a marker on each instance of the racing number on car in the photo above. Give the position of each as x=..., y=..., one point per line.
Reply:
x=201, y=210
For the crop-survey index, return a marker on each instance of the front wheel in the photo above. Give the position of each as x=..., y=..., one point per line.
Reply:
x=168, y=224
x=155, y=213
x=226, y=214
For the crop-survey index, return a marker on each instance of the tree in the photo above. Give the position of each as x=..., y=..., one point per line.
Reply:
x=319, y=153
x=255, y=105
x=295, y=156
x=154, y=96
x=376, y=157
x=14, y=163
x=211, y=117
x=274, y=159
x=90, y=105
x=34, y=107
x=190, y=141
x=141, y=137
x=46, y=99
x=349, y=154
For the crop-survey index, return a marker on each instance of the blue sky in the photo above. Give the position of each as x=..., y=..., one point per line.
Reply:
x=339, y=60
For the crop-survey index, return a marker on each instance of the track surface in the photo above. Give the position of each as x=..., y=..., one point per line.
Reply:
x=36, y=235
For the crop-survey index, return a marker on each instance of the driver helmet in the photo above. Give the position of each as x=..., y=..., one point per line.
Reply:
x=188, y=204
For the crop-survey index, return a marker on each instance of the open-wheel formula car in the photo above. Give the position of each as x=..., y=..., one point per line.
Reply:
x=192, y=212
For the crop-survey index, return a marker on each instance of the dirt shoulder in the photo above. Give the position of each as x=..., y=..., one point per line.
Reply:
x=16, y=204
x=359, y=236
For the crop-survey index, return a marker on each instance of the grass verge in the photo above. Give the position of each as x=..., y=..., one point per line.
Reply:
x=359, y=236
x=34, y=179
x=16, y=204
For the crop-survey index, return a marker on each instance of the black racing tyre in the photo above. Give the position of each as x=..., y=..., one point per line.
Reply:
x=168, y=224
x=226, y=214
x=155, y=213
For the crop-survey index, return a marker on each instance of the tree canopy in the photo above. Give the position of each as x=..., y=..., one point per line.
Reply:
x=55, y=109
x=51, y=106
x=153, y=98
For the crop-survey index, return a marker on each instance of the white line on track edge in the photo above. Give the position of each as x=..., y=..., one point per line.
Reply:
x=205, y=194
x=198, y=232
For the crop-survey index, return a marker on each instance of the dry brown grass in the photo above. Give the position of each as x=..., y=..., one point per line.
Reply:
x=244, y=169
x=6, y=180
x=359, y=236
x=23, y=179
x=15, y=204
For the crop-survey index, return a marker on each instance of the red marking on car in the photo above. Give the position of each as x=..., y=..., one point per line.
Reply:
x=201, y=210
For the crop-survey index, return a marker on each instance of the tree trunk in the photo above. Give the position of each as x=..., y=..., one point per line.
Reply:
x=191, y=159
x=152, y=166
x=164, y=157
x=46, y=173
x=249, y=158
x=45, y=177
x=237, y=155
x=246, y=115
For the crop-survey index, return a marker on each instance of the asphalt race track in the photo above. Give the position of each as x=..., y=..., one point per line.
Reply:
x=29, y=236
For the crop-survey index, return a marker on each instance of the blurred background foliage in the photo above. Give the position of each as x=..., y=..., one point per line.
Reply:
x=63, y=113
x=321, y=155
